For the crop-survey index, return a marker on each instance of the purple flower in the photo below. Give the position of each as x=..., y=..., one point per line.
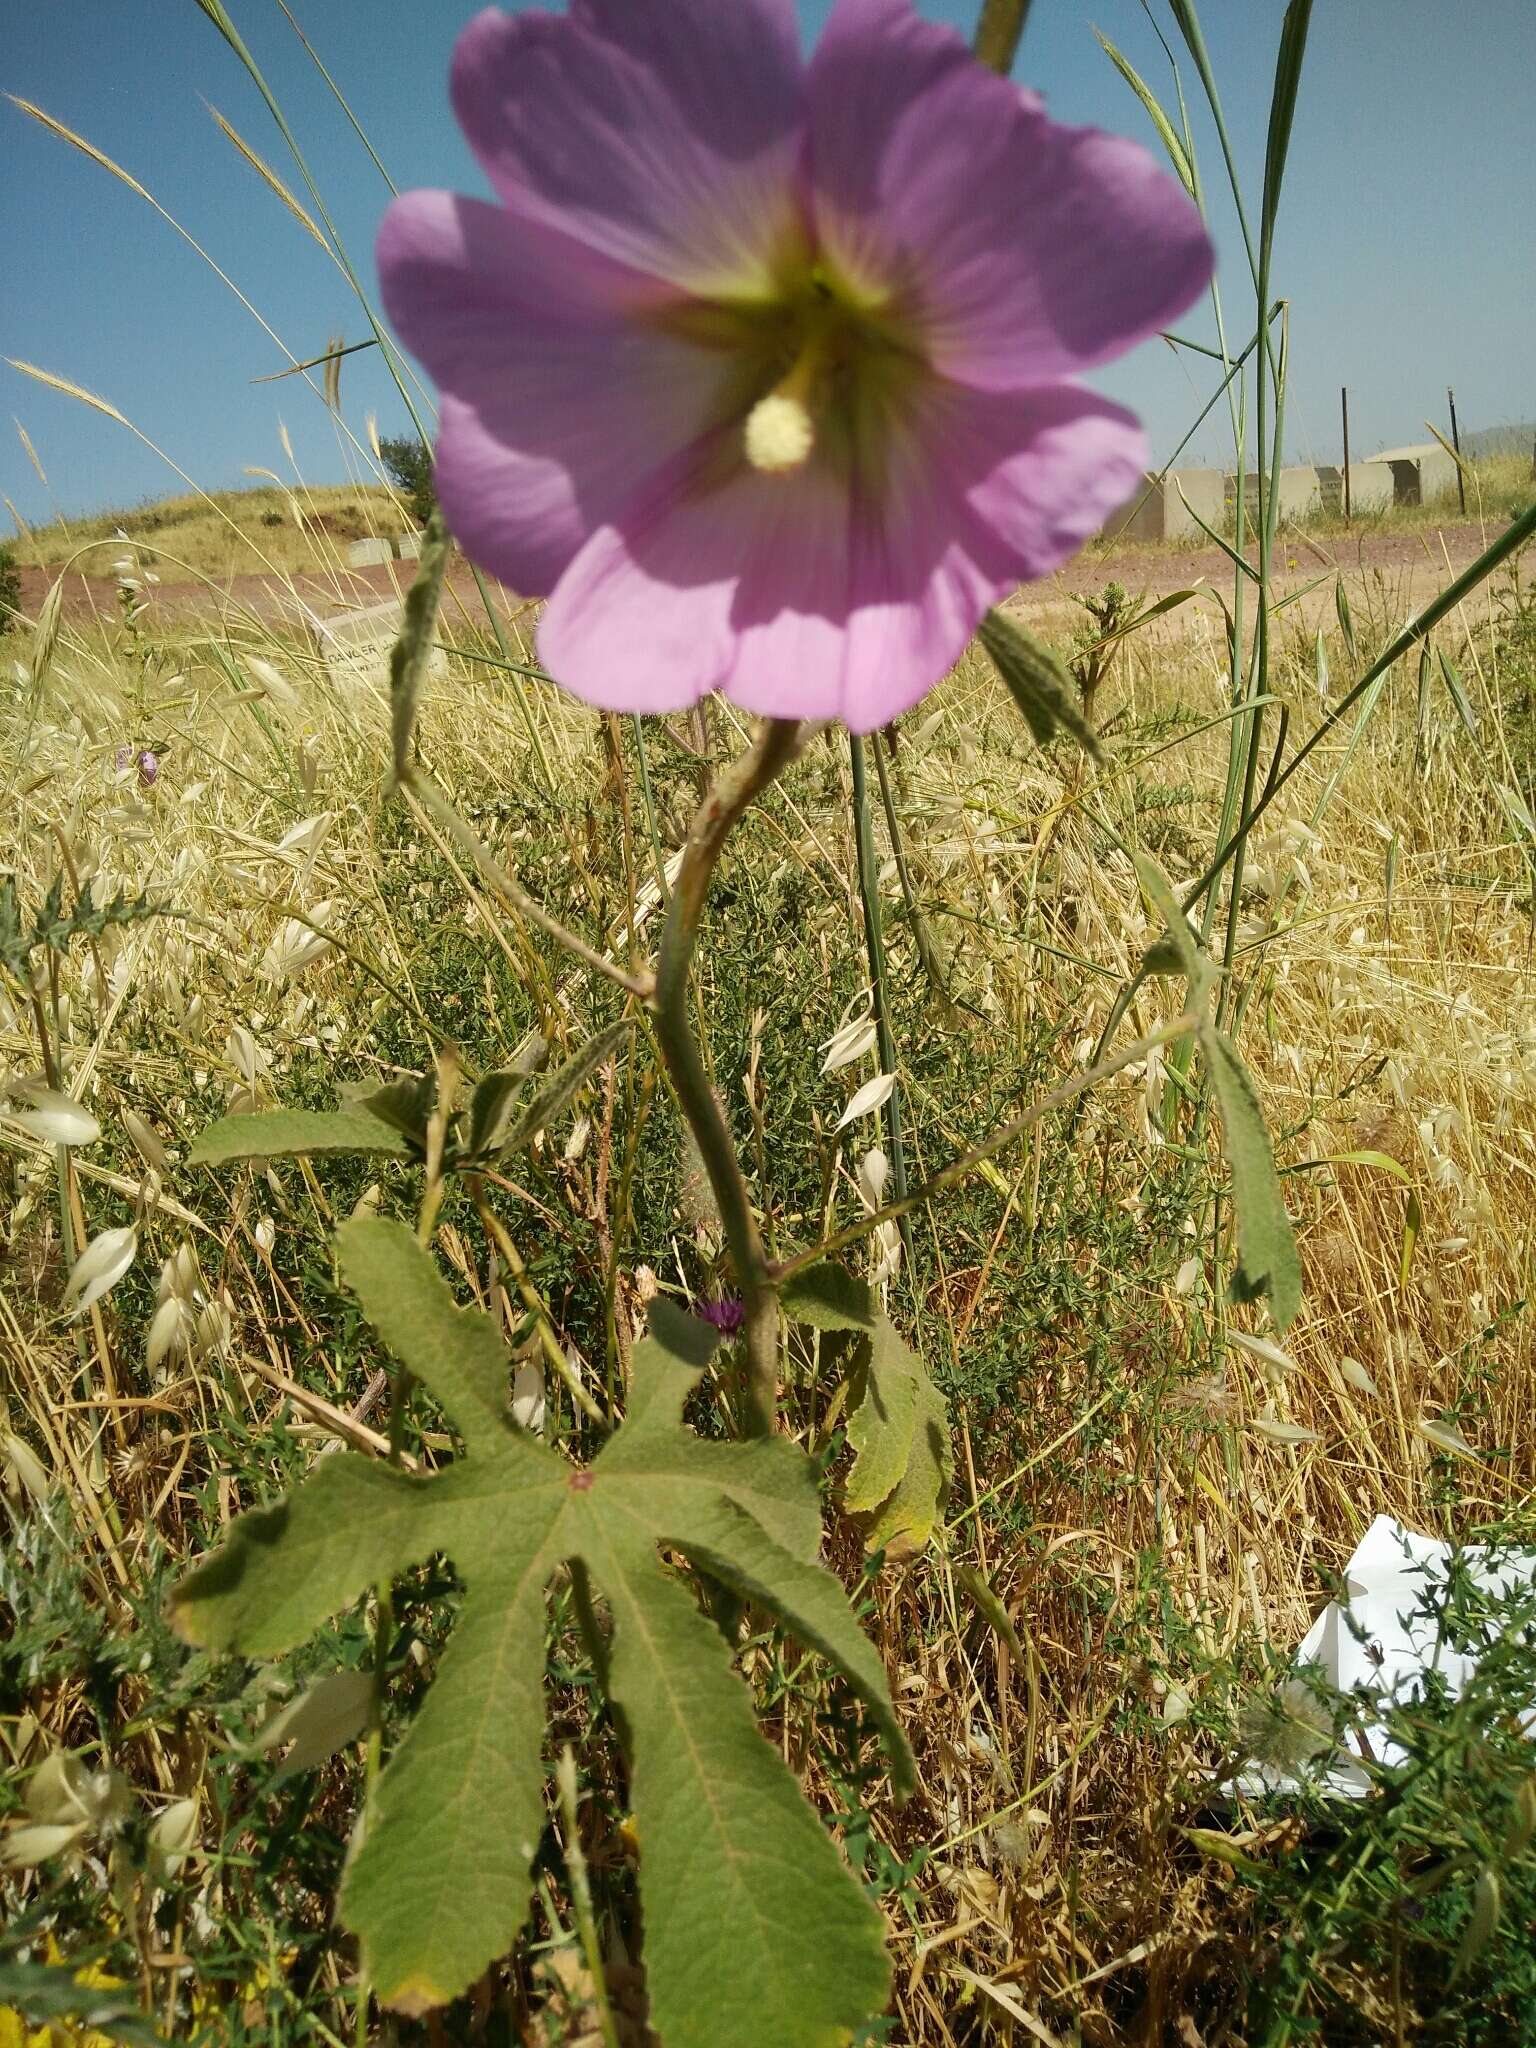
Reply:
x=762, y=369
x=727, y=1315
x=123, y=759
x=149, y=769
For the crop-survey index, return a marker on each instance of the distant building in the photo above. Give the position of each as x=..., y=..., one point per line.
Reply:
x=1420, y=474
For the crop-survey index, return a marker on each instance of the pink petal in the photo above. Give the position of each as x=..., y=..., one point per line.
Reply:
x=656, y=610
x=798, y=602
x=561, y=395
x=663, y=132
x=1014, y=482
x=1024, y=251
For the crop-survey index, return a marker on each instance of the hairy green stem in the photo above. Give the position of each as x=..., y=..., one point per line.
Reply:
x=776, y=746
x=874, y=944
x=996, y=41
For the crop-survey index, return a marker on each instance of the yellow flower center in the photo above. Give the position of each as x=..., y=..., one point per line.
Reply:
x=808, y=368
x=780, y=430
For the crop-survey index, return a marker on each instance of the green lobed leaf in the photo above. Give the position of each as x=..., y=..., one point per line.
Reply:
x=456, y=1352
x=405, y=1105
x=757, y=1934
x=1038, y=682
x=1267, y=1261
x=439, y=1884
x=828, y=1297
x=898, y=1431
x=283, y=1133
x=239, y=1599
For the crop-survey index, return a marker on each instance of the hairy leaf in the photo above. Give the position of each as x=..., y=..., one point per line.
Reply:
x=828, y=1297
x=281, y=1133
x=405, y=1105
x=1038, y=683
x=757, y=1934
x=1178, y=952
x=1267, y=1261
x=563, y=1086
x=898, y=1423
x=899, y=1432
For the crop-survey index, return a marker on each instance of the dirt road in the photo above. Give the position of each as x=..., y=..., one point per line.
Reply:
x=1410, y=566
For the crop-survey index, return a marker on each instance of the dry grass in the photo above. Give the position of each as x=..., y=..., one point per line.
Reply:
x=1116, y=1486
x=306, y=527
x=225, y=533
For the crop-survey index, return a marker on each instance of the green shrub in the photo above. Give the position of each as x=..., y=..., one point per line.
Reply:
x=10, y=589
x=409, y=462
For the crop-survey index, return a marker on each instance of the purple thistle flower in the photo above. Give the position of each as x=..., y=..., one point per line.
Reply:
x=149, y=769
x=762, y=369
x=728, y=1314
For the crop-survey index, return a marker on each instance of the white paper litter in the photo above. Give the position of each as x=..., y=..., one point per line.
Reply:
x=1389, y=1639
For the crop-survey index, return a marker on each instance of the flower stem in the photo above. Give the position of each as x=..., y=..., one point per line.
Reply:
x=874, y=945
x=996, y=42
x=776, y=745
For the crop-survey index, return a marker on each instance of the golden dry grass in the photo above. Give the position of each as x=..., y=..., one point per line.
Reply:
x=224, y=533
x=1128, y=1495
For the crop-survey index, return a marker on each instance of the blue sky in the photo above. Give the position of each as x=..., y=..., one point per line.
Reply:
x=1407, y=244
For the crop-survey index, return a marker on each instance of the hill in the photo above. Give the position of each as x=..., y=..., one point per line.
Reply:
x=220, y=533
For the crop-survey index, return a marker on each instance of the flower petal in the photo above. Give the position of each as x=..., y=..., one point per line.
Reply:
x=663, y=132
x=799, y=602
x=1013, y=483
x=1022, y=250
x=664, y=605
x=561, y=392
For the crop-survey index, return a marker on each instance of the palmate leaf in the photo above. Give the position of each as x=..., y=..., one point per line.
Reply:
x=757, y=1935
x=898, y=1423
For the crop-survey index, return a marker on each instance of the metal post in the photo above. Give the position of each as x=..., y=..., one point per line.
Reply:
x=1344, y=408
x=1461, y=481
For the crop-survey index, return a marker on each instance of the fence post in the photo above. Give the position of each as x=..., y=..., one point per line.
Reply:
x=1461, y=481
x=1344, y=408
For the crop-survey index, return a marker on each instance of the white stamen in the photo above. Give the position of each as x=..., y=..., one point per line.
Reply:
x=780, y=434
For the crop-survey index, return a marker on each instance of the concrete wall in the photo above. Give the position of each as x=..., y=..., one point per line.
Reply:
x=367, y=554
x=1370, y=487
x=1140, y=517
x=355, y=646
x=1437, y=476
x=1419, y=479
x=1190, y=491
x=1298, y=493
x=1165, y=511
